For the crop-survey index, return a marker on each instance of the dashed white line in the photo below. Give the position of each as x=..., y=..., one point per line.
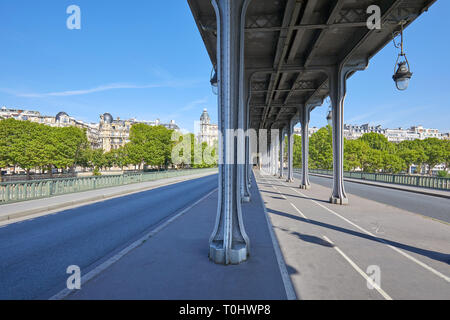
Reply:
x=420, y=263
x=358, y=269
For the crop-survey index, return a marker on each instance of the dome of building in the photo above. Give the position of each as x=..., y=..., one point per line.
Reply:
x=60, y=115
x=107, y=118
x=205, y=117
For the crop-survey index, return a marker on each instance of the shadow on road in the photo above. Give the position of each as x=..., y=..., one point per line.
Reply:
x=438, y=256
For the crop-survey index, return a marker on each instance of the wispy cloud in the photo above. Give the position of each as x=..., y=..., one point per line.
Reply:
x=193, y=104
x=101, y=88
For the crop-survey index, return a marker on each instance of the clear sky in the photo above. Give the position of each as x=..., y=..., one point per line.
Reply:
x=145, y=59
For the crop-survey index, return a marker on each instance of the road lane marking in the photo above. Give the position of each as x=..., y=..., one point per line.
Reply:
x=353, y=264
x=296, y=209
x=288, y=286
x=406, y=255
x=105, y=265
x=358, y=269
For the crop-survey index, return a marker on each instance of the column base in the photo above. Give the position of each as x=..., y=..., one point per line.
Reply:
x=340, y=201
x=237, y=255
x=305, y=186
x=290, y=180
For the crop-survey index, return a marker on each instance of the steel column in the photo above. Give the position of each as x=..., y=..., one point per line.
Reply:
x=281, y=153
x=337, y=78
x=290, y=134
x=245, y=106
x=229, y=243
x=304, y=118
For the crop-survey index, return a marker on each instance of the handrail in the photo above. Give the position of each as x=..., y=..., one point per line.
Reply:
x=17, y=191
x=408, y=180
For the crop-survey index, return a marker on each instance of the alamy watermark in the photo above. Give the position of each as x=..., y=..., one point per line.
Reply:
x=74, y=20
x=374, y=273
x=74, y=280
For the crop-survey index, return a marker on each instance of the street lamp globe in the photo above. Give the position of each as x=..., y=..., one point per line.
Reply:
x=330, y=116
x=402, y=76
x=214, y=83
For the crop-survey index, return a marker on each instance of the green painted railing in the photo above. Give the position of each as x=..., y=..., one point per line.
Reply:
x=408, y=180
x=28, y=190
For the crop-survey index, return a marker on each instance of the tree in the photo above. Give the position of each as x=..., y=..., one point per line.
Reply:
x=321, y=149
x=297, y=152
x=392, y=163
x=378, y=141
x=355, y=154
x=435, y=152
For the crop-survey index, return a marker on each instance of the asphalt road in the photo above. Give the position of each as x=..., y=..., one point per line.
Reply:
x=36, y=253
x=434, y=207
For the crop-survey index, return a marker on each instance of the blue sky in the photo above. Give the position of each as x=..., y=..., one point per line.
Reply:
x=145, y=59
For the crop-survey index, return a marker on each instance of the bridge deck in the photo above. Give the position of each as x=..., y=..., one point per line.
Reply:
x=411, y=250
x=327, y=251
x=174, y=263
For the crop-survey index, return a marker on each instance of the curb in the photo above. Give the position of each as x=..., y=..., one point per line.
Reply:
x=367, y=183
x=103, y=197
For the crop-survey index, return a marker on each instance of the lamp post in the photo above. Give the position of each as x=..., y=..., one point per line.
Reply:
x=330, y=116
x=402, y=72
x=214, y=82
x=402, y=76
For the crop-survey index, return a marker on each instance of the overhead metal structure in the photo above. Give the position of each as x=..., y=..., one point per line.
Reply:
x=277, y=61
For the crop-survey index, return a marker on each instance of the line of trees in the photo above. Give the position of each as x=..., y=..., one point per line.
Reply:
x=374, y=153
x=31, y=146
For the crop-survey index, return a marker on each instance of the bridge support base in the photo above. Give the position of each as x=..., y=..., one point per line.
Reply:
x=340, y=201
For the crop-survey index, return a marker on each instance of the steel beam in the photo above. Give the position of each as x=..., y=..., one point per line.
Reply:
x=304, y=119
x=290, y=134
x=281, y=153
x=229, y=243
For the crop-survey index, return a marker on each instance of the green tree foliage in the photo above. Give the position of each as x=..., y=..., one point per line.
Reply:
x=151, y=145
x=321, y=149
x=30, y=145
x=435, y=152
x=297, y=151
x=373, y=153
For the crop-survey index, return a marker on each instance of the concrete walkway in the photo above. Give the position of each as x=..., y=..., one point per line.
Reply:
x=14, y=212
x=173, y=263
x=330, y=250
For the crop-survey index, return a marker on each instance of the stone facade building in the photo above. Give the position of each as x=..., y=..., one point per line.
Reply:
x=208, y=132
x=109, y=134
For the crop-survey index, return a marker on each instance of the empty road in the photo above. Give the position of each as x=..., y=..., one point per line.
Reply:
x=433, y=207
x=35, y=253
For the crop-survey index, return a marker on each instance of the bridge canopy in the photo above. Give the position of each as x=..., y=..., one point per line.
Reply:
x=288, y=41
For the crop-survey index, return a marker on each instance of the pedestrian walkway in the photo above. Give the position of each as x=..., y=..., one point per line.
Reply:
x=33, y=208
x=173, y=263
x=331, y=250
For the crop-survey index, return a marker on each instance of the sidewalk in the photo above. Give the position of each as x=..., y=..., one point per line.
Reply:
x=426, y=191
x=333, y=251
x=173, y=263
x=34, y=208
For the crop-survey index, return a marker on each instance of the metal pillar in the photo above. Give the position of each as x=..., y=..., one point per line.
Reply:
x=281, y=153
x=244, y=118
x=275, y=157
x=229, y=243
x=290, y=134
x=304, y=119
x=337, y=78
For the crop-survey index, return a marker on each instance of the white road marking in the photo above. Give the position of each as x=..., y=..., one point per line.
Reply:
x=358, y=269
x=406, y=255
x=288, y=287
x=93, y=273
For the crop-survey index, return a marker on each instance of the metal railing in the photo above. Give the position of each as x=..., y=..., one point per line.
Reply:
x=408, y=180
x=18, y=191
